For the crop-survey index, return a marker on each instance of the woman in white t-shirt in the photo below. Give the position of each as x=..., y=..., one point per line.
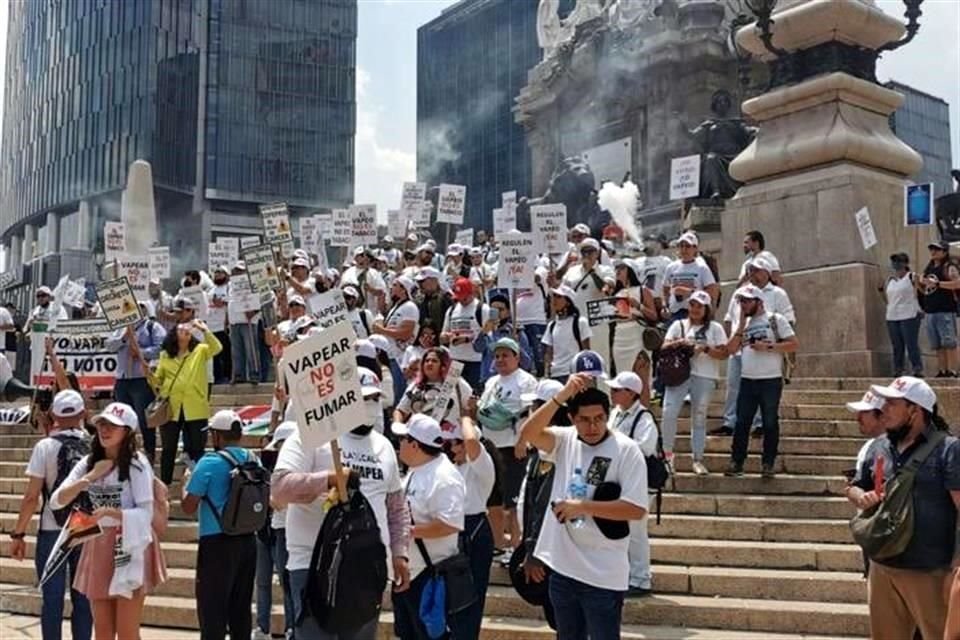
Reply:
x=903, y=314
x=566, y=335
x=639, y=306
x=116, y=571
x=413, y=355
x=709, y=342
x=423, y=394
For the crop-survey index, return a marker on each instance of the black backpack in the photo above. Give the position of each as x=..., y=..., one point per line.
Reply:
x=348, y=570
x=72, y=451
x=657, y=472
x=248, y=502
x=576, y=329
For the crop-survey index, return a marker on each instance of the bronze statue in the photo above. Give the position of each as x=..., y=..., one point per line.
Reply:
x=721, y=139
x=573, y=184
x=948, y=212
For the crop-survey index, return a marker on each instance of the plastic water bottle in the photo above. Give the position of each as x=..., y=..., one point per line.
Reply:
x=577, y=490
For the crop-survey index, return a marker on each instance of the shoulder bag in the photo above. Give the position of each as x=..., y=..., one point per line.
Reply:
x=158, y=411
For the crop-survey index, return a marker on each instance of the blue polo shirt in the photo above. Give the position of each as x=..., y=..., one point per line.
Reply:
x=211, y=478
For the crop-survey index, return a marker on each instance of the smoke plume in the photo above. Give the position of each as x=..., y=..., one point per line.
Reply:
x=622, y=203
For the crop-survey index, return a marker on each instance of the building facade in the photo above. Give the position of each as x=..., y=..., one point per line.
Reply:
x=923, y=122
x=233, y=102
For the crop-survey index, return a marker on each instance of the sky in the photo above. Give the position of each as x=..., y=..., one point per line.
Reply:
x=387, y=82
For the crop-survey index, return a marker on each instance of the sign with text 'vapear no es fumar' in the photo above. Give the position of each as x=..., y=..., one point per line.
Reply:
x=321, y=375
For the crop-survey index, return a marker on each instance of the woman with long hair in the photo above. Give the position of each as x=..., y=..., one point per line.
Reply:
x=116, y=570
x=565, y=336
x=708, y=340
x=181, y=378
x=626, y=334
x=422, y=395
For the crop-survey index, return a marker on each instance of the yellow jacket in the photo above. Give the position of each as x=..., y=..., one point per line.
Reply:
x=189, y=390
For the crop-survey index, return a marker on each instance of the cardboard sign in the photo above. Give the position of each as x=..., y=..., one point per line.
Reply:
x=80, y=345
x=137, y=271
x=276, y=223
x=159, y=262
x=685, y=177
x=548, y=223
x=58, y=292
x=321, y=374
x=75, y=294
x=364, y=221
x=464, y=238
x=865, y=226
x=198, y=298
x=396, y=224
x=242, y=296
x=452, y=203
x=412, y=203
x=607, y=310
x=508, y=199
x=261, y=269
x=119, y=305
x=447, y=390
x=114, y=240
x=342, y=228
x=249, y=241
x=218, y=256
x=518, y=261
x=504, y=220
x=918, y=204
x=324, y=223
x=328, y=308
x=308, y=234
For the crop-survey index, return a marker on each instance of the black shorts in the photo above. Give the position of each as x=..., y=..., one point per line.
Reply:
x=510, y=473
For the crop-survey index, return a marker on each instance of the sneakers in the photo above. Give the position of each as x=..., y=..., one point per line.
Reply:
x=259, y=634
x=721, y=431
x=734, y=470
x=639, y=592
x=767, y=472
x=668, y=461
x=700, y=469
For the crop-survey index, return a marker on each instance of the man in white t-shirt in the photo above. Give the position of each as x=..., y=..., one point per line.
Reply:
x=585, y=540
x=217, y=299
x=44, y=311
x=591, y=280
x=765, y=338
x=360, y=317
x=7, y=326
x=532, y=307
x=300, y=282
x=368, y=281
x=462, y=324
x=68, y=414
x=685, y=275
x=436, y=494
x=399, y=328
x=753, y=247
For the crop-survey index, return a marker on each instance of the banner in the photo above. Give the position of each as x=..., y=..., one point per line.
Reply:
x=261, y=269
x=918, y=204
x=396, y=224
x=504, y=220
x=685, y=177
x=364, y=225
x=321, y=374
x=607, y=310
x=342, y=228
x=198, y=298
x=548, y=222
x=464, y=238
x=276, y=223
x=451, y=203
x=119, y=305
x=80, y=345
x=114, y=241
x=137, y=271
x=865, y=226
x=328, y=308
x=518, y=261
x=159, y=262
x=58, y=293
x=412, y=202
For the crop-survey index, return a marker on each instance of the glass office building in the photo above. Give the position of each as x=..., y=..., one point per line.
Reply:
x=923, y=122
x=233, y=102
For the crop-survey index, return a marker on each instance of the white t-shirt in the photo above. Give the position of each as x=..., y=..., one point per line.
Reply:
x=5, y=320
x=762, y=365
x=413, y=353
x=531, y=307
x=303, y=520
x=695, y=274
x=559, y=335
x=584, y=553
x=902, y=301
x=701, y=364
x=644, y=433
x=399, y=314
x=653, y=269
x=358, y=327
x=585, y=286
x=774, y=299
x=461, y=321
x=478, y=477
x=766, y=255
x=217, y=316
x=371, y=278
x=507, y=389
x=435, y=491
x=108, y=491
x=43, y=464
x=312, y=298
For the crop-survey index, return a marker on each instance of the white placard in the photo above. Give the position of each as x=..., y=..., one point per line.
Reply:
x=321, y=374
x=508, y=199
x=75, y=293
x=328, y=308
x=451, y=203
x=114, y=240
x=261, y=268
x=159, y=259
x=276, y=223
x=464, y=238
x=137, y=271
x=119, y=305
x=324, y=224
x=548, y=222
x=308, y=234
x=518, y=261
x=865, y=226
x=364, y=225
x=249, y=241
x=504, y=220
x=342, y=228
x=218, y=256
x=685, y=177
x=447, y=390
x=396, y=224
x=412, y=202
x=242, y=295
x=58, y=301
x=197, y=296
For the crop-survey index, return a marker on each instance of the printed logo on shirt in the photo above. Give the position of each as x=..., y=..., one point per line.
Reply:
x=105, y=495
x=597, y=473
x=758, y=330
x=367, y=465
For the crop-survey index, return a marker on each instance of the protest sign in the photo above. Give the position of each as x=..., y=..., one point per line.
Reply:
x=504, y=220
x=607, y=310
x=114, y=240
x=287, y=249
x=684, y=177
x=328, y=308
x=464, y=238
x=548, y=222
x=508, y=199
x=197, y=296
x=308, y=234
x=276, y=223
x=364, y=220
x=231, y=244
x=412, y=203
x=242, y=295
x=517, y=261
x=918, y=204
x=80, y=346
x=447, y=390
x=159, y=262
x=452, y=203
x=58, y=292
x=261, y=269
x=79, y=528
x=321, y=375
x=218, y=256
x=137, y=271
x=75, y=293
x=342, y=228
x=119, y=305
x=324, y=224
x=396, y=224
x=864, y=225
x=249, y=241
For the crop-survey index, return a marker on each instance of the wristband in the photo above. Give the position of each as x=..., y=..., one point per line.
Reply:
x=562, y=405
x=17, y=536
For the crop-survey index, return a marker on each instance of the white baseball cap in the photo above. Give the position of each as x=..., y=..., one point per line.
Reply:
x=749, y=291
x=44, y=291
x=627, y=380
x=296, y=299
x=301, y=253
x=761, y=264
x=566, y=292
x=581, y=228
x=382, y=343
x=67, y=403
x=428, y=272
x=351, y=291
x=369, y=382
x=910, y=389
x=870, y=402
x=283, y=431
x=224, y=420
x=590, y=243
x=421, y=428
x=689, y=238
x=408, y=285
x=546, y=389
x=365, y=348
x=119, y=414
x=301, y=262
x=454, y=250
x=702, y=297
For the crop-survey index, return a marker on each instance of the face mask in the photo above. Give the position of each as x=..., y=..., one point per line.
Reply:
x=362, y=430
x=374, y=413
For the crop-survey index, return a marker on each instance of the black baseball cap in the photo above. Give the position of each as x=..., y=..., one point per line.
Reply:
x=942, y=246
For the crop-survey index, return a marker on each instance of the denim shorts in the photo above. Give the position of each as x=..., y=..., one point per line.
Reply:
x=942, y=330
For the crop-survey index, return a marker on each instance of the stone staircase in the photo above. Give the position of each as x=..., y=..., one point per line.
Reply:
x=732, y=557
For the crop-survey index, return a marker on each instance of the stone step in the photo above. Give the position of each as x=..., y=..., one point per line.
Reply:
x=796, y=446
x=737, y=505
x=798, y=465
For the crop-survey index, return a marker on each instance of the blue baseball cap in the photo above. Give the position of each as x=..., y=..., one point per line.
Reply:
x=590, y=363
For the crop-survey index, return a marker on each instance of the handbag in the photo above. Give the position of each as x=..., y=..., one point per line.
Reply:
x=158, y=411
x=457, y=577
x=674, y=362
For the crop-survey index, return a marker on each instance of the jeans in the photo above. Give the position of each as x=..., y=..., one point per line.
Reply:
x=734, y=367
x=477, y=539
x=639, y=555
x=700, y=390
x=399, y=382
x=765, y=395
x=582, y=610
x=137, y=393
x=534, y=336
x=264, y=357
x=245, y=351
x=226, y=568
x=194, y=439
x=306, y=626
x=406, y=615
x=942, y=330
x=51, y=611
x=905, y=336
x=272, y=557
x=222, y=362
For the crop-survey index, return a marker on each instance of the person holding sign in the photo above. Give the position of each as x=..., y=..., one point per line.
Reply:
x=399, y=328
x=636, y=308
x=423, y=394
x=462, y=325
x=368, y=281
x=591, y=280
